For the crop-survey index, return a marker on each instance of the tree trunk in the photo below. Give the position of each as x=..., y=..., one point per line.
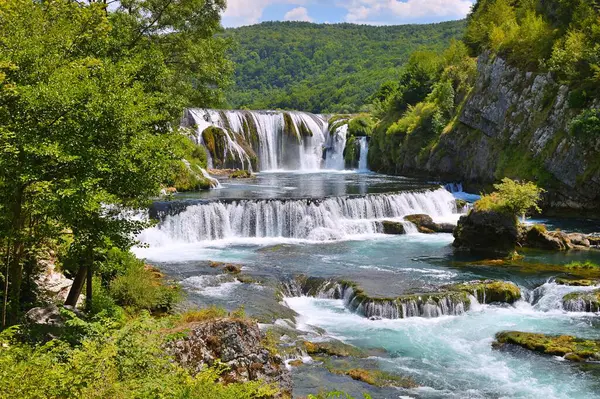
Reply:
x=77, y=286
x=88, y=289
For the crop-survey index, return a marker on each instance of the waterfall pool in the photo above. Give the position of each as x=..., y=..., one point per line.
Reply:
x=325, y=225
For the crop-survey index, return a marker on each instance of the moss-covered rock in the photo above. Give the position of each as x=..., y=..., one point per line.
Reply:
x=240, y=174
x=352, y=153
x=585, y=301
x=576, y=282
x=489, y=291
x=569, y=347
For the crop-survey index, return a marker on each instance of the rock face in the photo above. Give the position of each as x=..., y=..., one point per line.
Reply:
x=237, y=344
x=516, y=124
x=486, y=231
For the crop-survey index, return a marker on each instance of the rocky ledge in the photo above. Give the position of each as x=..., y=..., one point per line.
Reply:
x=450, y=300
x=491, y=231
x=571, y=348
x=236, y=344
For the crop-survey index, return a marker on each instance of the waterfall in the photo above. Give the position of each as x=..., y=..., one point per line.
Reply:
x=324, y=219
x=272, y=140
x=418, y=305
x=364, y=152
x=336, y=143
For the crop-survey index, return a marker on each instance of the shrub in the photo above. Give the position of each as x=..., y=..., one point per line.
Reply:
x=123, y=362
x=587, y=125
x=361, y=126
x=196, y=315
x=511, y=197
x=140, y=288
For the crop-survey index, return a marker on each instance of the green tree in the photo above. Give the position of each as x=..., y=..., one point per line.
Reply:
x=512, y=197
x=88, y=99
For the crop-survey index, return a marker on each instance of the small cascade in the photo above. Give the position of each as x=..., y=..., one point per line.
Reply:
x=364, y=152
x=551, y=296
x=325, y=219
x=214, y=183
x=409, y=227
x=336, y=143
x=418, y=305
x=271, y=140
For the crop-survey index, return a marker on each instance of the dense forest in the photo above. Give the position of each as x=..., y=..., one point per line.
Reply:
x=324, y=68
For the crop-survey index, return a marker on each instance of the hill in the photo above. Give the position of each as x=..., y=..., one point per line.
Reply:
x=324, y=68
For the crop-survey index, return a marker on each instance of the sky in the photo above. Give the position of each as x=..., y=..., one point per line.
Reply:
x=372, y=12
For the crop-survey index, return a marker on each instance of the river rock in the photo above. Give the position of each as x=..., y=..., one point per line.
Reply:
x=425, y=224
x=486, y=231
x=393, y=228
x=538, y=237
x=235, y=343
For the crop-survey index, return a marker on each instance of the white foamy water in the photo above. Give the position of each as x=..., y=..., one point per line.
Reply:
x=452, y=356
x=320, y=220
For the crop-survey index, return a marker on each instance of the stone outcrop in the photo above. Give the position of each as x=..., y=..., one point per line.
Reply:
x=514, y=123
x=238, y=345
x=486, y=231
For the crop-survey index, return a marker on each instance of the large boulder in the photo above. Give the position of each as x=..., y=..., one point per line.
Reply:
x=486, y=231
x=237, y=343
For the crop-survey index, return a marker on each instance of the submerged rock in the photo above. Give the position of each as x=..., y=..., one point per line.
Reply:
x=486, y=231
x=587, y=301
x=571, y=348
x=236, y=343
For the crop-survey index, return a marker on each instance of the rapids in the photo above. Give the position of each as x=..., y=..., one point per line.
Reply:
x=327, y=225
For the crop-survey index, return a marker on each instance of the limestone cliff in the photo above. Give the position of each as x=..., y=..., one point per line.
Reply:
x=514, y=124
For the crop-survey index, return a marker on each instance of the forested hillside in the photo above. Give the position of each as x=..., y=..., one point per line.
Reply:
x=529, y=108
x=324, y=68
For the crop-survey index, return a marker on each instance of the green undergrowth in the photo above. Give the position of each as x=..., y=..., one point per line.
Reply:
x=109, y=360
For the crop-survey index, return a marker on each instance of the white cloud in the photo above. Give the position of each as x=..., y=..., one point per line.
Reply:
x=401, y=11
x=248, y=12
x=298, y=14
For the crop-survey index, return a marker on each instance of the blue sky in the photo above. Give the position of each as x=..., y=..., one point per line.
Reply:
x=373, y=12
